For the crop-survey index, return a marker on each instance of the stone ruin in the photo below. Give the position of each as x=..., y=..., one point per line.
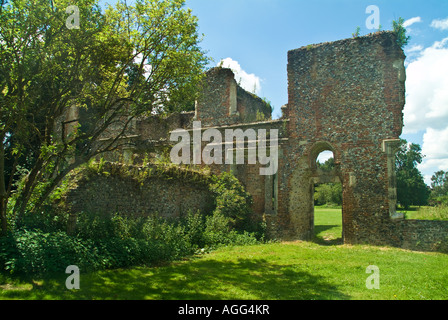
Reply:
x=345, y=96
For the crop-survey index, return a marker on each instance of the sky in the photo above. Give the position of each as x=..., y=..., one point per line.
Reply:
x=252, y=37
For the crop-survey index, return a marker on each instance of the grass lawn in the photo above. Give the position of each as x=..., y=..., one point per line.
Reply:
x=327, y=225
x=427, y=212
x=286, y=271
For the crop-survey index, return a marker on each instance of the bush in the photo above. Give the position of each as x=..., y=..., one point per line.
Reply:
x=93, y=226
x=194, y=227
x=218, y=232
x=116, y=242
x=40, y=244
x=48, y=220
x=232, y=201
x=120, y=253
x=40, y=253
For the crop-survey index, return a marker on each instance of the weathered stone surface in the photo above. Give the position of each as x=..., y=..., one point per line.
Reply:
x=134, y=191
x=345, y=96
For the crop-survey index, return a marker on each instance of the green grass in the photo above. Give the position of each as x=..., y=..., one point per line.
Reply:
x=427, y=213
x=294, y=270
x=328, y=225
x=286, y=271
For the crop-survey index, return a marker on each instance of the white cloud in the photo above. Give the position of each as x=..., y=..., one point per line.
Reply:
x=441, y=24
x=411, y=21
x=426, y=109
x=412, y=53
x=324, y=156
x=432, y=142
x=440, y=44
x=248, y=81
x=435, y=148
x=427, y=90
x=414, y=48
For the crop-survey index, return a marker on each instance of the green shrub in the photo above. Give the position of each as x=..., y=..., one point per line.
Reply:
x=47, y=220
x=37, y=252
x=194, y=227
x=93, y=226
x=218, y=232
x=400, y=31
x=40, y=244
x=116, y=243
x=121, y=253
x=232, y=201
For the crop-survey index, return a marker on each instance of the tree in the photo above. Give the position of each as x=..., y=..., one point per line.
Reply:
x=439, y=183
x=400, y=31
x=128, y=62
x=411, y=188
x=328, y=193
x=439, y=186
x=327, y=166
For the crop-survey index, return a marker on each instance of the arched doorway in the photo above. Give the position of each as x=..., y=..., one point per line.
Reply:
x=327, y=195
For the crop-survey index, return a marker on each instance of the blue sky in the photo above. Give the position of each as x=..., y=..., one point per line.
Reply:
x=254, y=36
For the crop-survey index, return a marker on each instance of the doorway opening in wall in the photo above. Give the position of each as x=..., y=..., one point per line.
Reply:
x=327, y=201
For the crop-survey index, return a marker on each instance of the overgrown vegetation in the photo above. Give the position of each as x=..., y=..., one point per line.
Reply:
x=397, y=28
x=357, y=32
x=437, y=212
x=125, y=62
x=400, y=31
x=41, y=246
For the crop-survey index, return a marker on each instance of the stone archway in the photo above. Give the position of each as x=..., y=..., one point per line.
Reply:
x=319, y=177
x=301, y=182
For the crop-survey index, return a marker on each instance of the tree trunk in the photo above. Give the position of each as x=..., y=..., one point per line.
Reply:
x=3, y=196
x=24, y=197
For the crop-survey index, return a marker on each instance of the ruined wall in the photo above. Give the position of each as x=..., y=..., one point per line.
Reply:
x=134, y=191
x=252, y=108
x=224, y=102
x=421, y=235
x=259, y=186
x=347, y=97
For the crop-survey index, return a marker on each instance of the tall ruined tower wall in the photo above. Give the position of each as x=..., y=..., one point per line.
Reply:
x=347, y=97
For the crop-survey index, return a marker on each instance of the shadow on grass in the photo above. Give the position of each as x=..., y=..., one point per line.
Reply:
x=197, y=279
x=328, y=242
x=319, y=236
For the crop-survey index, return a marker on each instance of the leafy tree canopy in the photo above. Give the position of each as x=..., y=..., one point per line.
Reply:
x=121, y=64
x=411, y=188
